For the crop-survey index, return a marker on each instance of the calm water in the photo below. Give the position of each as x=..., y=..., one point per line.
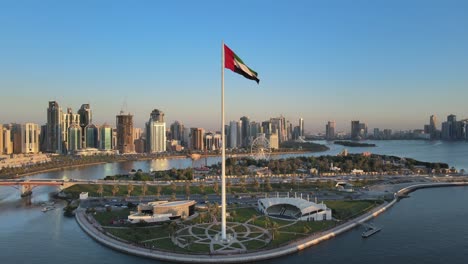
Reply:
x=430, y=227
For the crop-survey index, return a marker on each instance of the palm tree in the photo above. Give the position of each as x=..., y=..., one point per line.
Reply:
x=144, y=189
x=228, y=186
x=115, y=189
x=274, y=230
x=172, y=228
x=267, y=222
x=242, y=184
x=130, y=188
x=256, y=185
x=187, y=189
x=216, y=187
x=202, y=187
x=158, y=191
x=173, y=187
x=100, y=190
x=268, y=185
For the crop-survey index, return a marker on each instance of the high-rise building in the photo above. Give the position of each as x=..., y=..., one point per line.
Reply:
x=140, y=145
x=105, y=137
x=452, y=129
x=177, y=131
x=30, y=138
x=255, y=129
x=156, y=132
x=186, y=137
x=232, y=134
x=1, y=139
x=266, y=127
x=330, y=130
x=16, y=138
x=208, y=141
x=91, y=136
x=296, y=134
x=68, y=118
x=278, y=126
x=137, y=133
x=196, y=138
x=7, y=142
x=125, y=142
x=86, y=118
x=358, y=130
x=74, y=138
x=114, y=138
x=433, y=127
x=274, y=140
x=377, y=133
x=290, y=130
x=301, y=127
x=245, y=131
x=217, y=141
x=54, y=128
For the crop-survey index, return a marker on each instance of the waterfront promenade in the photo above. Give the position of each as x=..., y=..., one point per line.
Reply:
x=95, y=231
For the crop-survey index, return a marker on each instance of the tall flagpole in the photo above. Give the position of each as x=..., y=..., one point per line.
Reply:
x=223, y=153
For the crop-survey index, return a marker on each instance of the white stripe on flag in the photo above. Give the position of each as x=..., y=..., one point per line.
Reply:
x=243, y=68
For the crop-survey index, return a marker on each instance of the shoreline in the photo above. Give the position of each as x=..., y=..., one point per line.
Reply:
x=144, y=159
x=293, y=247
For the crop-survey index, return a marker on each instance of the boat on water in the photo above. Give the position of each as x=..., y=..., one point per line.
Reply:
x=370, y=230
x=47, y=208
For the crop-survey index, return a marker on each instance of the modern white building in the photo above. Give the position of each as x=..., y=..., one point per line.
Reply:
x=294, y=209
x=156, y=132
x=157, y=136
x=160, y=211
x=30, y=138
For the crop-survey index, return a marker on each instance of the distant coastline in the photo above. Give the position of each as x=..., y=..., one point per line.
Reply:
x=353, y=144
x=141, y=158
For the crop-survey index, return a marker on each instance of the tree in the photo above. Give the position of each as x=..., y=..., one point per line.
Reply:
x=172, y=227
x=100, y=190
x=229, y=185
x=115, y=189
x=144, y=189
x=130, y=189
x=268, y=185
x=274, y=230
x=173, y=187
x=158, y=191
x=187, y=189
x=216, y=187
x=267, y=222
x=202, y=187
x=242, y=184
x=256, y=185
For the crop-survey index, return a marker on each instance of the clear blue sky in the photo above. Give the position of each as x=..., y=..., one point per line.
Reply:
x=388, y=63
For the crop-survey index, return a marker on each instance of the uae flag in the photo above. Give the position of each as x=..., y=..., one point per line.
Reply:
x=235, y=64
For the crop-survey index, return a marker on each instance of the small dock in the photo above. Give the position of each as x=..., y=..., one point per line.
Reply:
x=370, y=230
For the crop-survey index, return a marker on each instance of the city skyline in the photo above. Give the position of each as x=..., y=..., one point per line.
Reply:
x=352, y=62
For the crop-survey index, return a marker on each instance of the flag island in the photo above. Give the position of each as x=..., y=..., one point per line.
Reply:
x=235, y=64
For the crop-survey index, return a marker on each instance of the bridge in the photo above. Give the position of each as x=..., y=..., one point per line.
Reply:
x=26, y=186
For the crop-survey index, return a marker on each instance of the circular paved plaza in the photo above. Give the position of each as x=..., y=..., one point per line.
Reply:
x=240, y=237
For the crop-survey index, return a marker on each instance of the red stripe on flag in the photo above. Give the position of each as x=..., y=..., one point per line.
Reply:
x=229, y=59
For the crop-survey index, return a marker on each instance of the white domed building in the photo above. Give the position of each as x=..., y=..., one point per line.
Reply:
x=294, y=209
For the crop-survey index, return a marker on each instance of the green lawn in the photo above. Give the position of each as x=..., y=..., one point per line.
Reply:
x=105, y=218
x=344, y=210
